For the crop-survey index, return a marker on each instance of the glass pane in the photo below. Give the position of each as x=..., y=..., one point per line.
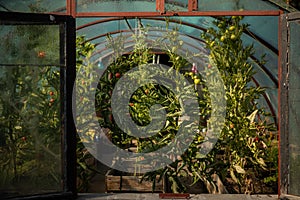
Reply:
x=215, y=5
x=33, y=6
x=30, y=125
x=30, y=44
x=176, y=5
x=30, y=156
x=294, y=109
x=115, y=6
x=261, y=26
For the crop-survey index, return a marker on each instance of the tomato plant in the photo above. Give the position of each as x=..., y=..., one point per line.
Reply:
x=246, y=149
x=246, y=152
x=30, y=113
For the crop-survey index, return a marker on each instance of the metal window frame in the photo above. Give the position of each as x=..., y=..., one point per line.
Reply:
x=160, y=7
x=192, y=7
x=70, y=159
x=282, y=62
x=67, y=79
x=283, y=112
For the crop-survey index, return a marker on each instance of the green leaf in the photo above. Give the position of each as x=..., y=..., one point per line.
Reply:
x=261, y=162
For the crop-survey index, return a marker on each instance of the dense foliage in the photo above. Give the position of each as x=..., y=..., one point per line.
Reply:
x=30, y=126
x=247, y=149
x=245, y=156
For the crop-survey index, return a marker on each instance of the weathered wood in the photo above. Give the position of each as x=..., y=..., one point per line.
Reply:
x=121, y=182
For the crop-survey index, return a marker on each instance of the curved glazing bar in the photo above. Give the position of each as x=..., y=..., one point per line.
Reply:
x=270, y=95
x=191, y=27
x=283, y=5
x=270, y=57
x=264, y=27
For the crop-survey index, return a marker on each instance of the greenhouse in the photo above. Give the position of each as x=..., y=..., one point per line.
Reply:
x=166, y=98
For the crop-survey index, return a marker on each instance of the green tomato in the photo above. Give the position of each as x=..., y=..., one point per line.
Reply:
x=196, y=81
x=231, y=28
x=233, y=37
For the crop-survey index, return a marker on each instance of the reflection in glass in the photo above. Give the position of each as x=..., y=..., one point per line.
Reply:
x=29, y=44
x=30, y=125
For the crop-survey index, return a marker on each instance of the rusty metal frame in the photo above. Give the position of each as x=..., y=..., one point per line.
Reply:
x=192, y=5
x=71, y=7
x=160, y=7
x=184, y=13
x=192, y=11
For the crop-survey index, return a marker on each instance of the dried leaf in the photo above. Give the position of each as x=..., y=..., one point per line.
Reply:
x=239, y=169
x=251, y=117
x=233, y=176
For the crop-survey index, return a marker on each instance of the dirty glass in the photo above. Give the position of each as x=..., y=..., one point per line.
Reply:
x=115, y=6
x=30, y=126
x=30, y=44
x=176, y=5
x=139, y=5
x=294, y=109
x=33, y=6
x=217, y=5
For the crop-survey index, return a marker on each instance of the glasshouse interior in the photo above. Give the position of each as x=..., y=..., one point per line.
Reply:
x=150, y=99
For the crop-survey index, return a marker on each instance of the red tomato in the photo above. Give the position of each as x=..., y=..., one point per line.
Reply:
x=110, y=117
x=41, y=54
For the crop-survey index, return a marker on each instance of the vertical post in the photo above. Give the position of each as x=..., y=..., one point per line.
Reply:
x=160, y=6
x=283, y=107
x=71, y=7
x=70, y=130
x=192, y=5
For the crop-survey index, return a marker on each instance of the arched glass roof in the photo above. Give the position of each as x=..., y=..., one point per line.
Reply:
x=97, y=18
